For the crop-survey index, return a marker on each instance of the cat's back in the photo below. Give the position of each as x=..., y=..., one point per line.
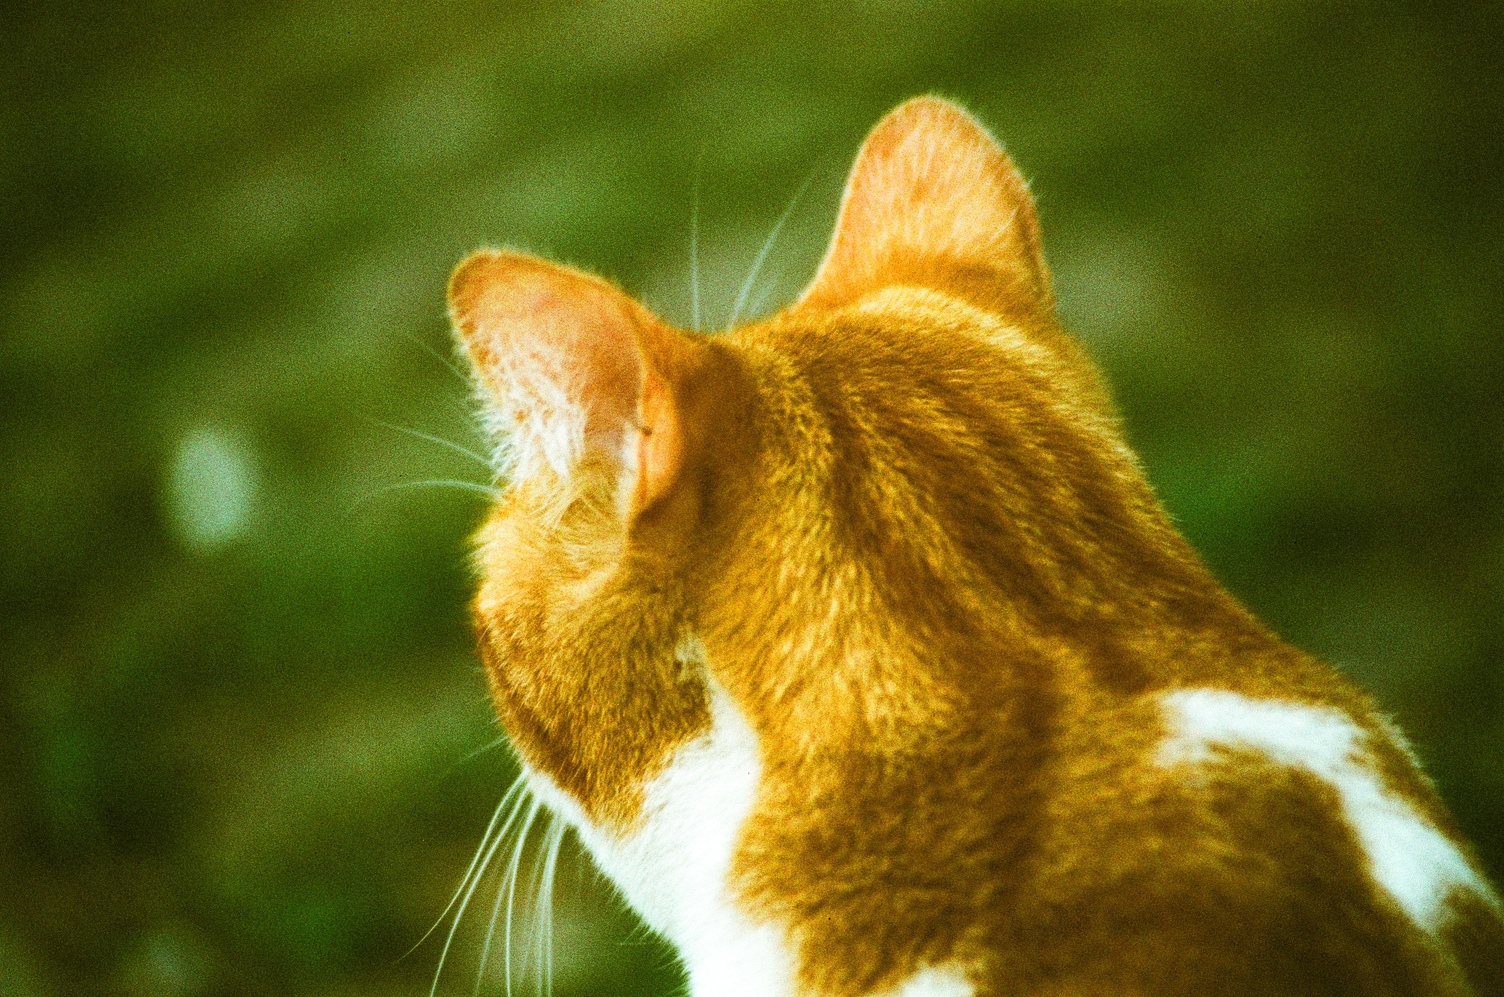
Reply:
x=864, y=659
x=1148, y=769
x=1277, y=841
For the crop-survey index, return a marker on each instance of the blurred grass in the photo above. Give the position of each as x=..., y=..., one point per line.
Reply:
x=235, y=714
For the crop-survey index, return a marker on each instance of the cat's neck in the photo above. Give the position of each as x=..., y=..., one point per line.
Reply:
x=1039, y=547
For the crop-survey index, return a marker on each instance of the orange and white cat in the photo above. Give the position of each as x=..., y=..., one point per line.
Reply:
x=862, y=658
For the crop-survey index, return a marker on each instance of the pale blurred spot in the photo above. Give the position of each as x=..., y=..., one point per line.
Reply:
x=211, y=489
x=1110, y=288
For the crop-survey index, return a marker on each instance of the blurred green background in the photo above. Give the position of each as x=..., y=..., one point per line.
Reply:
x=241, y=724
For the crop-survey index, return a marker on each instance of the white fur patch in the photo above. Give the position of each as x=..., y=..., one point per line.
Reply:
x=1409, y=859
x=674, y=868
x=933, y=982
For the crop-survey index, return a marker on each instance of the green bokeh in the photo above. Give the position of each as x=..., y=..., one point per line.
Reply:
x=239, y=711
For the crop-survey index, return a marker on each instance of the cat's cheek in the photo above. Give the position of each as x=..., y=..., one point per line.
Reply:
x=672, y=864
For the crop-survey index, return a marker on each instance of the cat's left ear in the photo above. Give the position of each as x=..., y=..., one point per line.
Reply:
x=933, y=201
x=577, y=364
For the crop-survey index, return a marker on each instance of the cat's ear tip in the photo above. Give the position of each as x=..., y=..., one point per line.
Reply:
x=933, y=200
x=493, y=286
x=930, y=105
x=468, y=280
x=482, y=267
x=931, y=113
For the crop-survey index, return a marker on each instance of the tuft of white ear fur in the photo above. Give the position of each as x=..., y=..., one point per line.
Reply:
x=532, y=417
x=558, y=363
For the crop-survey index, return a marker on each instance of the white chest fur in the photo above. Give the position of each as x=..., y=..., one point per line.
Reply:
x=673, y=868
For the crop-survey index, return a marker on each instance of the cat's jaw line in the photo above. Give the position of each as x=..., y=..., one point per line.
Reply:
x=673, y=866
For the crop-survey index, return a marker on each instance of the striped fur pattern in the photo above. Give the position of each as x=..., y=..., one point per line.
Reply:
x=861, y=656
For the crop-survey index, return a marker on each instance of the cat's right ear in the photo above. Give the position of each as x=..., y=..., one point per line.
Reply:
x=933, y=201
x=575, y=365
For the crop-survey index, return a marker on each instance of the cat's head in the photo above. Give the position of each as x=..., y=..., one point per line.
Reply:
x=832, y=517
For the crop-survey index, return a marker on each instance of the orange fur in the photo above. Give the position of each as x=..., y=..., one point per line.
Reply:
x=902, y=522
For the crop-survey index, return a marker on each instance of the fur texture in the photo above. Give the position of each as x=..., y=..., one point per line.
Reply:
x=865, y=661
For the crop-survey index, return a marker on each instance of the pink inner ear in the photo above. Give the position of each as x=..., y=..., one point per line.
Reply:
x=553, y=343
x=577, y=331
x=572, y=360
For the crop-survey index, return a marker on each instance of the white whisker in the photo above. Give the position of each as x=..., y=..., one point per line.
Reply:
x=491, y=745
x=449, y=365
x=485, y=951
x=418, y=434
x=475, y=881
x=762, y=299
x=500, y=840
x=511, y=892
x=762, y=255
x=550, y=869
x=490, y=491
x=466, y=407
x=465, y=879
x=536, y=922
